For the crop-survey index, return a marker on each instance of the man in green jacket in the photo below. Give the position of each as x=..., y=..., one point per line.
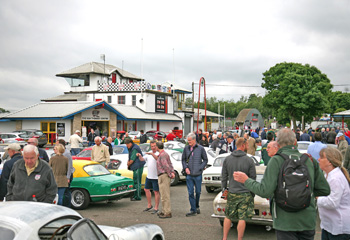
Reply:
x=288, y=225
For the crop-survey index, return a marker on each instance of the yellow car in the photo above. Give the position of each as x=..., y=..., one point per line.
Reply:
x=118, y=166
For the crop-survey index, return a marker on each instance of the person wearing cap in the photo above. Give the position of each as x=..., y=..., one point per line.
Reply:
x=14, y=151
x=342, y=144
x=42, y=153
x=74, y=141
x=31, y=179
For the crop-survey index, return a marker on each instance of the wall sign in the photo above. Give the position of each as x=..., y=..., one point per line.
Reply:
x=95, y=114
x=61, y=129
x=160, y=103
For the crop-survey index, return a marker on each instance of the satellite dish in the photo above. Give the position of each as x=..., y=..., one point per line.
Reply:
x=141, y=100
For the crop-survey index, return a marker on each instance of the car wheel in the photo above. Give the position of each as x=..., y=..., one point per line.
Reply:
x=210, y=189
x=80, y=198
x=174, y=181
x=222, y=223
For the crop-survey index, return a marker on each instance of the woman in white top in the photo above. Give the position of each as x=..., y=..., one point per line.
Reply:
x=334, y=209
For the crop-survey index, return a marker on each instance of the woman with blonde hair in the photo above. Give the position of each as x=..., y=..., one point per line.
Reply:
x=59, y=165
x=334, y=209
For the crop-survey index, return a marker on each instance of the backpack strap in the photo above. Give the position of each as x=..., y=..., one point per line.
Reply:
x=306, y=156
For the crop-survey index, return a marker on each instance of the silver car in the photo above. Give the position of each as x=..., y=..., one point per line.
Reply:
x=35, y=133
x=32, y=220
x=20, y=138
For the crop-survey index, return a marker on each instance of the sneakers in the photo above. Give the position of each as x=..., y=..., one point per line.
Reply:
x=148, y=209
x=198, y=211
x=190, y=214
x=165, y=215
x=135, y=199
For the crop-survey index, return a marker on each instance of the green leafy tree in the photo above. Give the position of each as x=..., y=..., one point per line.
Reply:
x=3, y=110
x=295, y=90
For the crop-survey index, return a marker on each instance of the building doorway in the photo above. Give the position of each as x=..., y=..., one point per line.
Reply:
x=103, y=126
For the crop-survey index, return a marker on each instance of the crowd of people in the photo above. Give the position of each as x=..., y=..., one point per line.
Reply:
x=32, y=176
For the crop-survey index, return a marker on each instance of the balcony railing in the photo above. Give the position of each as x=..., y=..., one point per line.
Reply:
x=131, y=87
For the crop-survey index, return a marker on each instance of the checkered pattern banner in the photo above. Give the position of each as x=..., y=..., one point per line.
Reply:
x=121, y=87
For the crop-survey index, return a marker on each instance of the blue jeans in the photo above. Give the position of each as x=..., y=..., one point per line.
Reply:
x=75, y=151
x=191, y=183
x=60, y=195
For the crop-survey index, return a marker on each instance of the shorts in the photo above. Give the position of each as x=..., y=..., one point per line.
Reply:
x=239, y=206
x=152, y=184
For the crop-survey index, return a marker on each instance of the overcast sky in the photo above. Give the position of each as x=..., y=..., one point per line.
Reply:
x=226, y=42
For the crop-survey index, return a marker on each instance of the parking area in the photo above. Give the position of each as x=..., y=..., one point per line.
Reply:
x=125, y=213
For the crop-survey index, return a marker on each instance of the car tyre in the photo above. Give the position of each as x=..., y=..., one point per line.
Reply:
x=174, y=181
x=210, y=189
x=80, y=198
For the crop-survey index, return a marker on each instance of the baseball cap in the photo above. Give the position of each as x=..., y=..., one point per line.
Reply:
x=13, y=146
x=340, y=134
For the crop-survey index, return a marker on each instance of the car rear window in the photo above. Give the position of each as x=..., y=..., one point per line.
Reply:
x=23, y=135
x=219, y=161
x=118, y=150
x=39, y=133
x=96, y=170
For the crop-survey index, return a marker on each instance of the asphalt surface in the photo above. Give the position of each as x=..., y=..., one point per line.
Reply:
x=124, y=213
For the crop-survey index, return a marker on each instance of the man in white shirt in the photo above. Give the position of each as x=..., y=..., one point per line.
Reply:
x=74, y=141
x=152, y=178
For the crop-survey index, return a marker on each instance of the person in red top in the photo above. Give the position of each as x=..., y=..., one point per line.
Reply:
x=165, y=171
x=170, y=136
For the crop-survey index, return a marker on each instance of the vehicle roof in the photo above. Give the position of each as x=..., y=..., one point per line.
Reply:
x=34, y=213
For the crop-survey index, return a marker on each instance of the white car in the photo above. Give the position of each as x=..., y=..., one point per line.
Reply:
x=170, y=145
x=134, y=134
x=262, y=214
x=33, y=220
x=212, y=175
x=303, y=146
x=176, y=160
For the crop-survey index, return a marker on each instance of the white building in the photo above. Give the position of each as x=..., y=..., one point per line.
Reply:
x=107, y=97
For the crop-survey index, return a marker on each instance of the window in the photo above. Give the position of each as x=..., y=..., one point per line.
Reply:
x=134, y=100
x=121, y=99
x=109, y=99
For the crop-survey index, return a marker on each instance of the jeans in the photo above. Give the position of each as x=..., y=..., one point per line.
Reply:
x=67, y=196
x=295, y=235
x=328, y=236
x=61, y=191
x=137, y=177
x=75, y=151
x=191, y=183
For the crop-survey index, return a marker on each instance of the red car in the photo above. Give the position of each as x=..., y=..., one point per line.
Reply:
x=86, y=153
x=158, y=135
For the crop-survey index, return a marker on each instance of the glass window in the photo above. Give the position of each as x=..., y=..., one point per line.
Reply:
x=109, y=99
x=96, y=170
x=134, y=100
x=86, y=153
x=177, y=156
x=86, y=230
x=169, y=146
x=219, y=161
x=118, y=149
x=211, y=153
x=121, y=99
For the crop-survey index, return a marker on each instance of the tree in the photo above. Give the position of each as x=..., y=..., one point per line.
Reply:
x=295, y=90
x=3, y=110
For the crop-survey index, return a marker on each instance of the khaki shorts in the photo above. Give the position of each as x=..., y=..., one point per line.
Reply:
x=239, y=206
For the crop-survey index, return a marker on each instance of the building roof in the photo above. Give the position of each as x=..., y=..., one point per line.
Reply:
x=342, y=114
x=67, y=110
x=202, y=112
x=98, y=68
x=243, y=115
x=177, y=88
x=67, y=97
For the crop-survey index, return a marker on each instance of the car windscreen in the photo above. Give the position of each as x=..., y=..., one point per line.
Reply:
x=177, y=156
x=133, y=132
x=303, y=146
x=168, y=146
x=211, y=153
x=219, y=161
x=52, y=226
x=144, y=147
x=118, y=149
x=86, y=153
x=96, y=170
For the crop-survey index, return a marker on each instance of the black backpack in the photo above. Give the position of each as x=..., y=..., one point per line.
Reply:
x=293, y=192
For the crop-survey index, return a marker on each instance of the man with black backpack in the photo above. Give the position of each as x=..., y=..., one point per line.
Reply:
x=294, y=180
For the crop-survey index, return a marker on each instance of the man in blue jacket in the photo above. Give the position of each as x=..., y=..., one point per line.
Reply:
x=194, y=160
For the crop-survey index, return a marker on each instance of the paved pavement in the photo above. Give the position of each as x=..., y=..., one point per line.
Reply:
x=124, y=213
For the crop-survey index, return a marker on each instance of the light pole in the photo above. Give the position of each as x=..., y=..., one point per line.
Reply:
x=103, y=57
